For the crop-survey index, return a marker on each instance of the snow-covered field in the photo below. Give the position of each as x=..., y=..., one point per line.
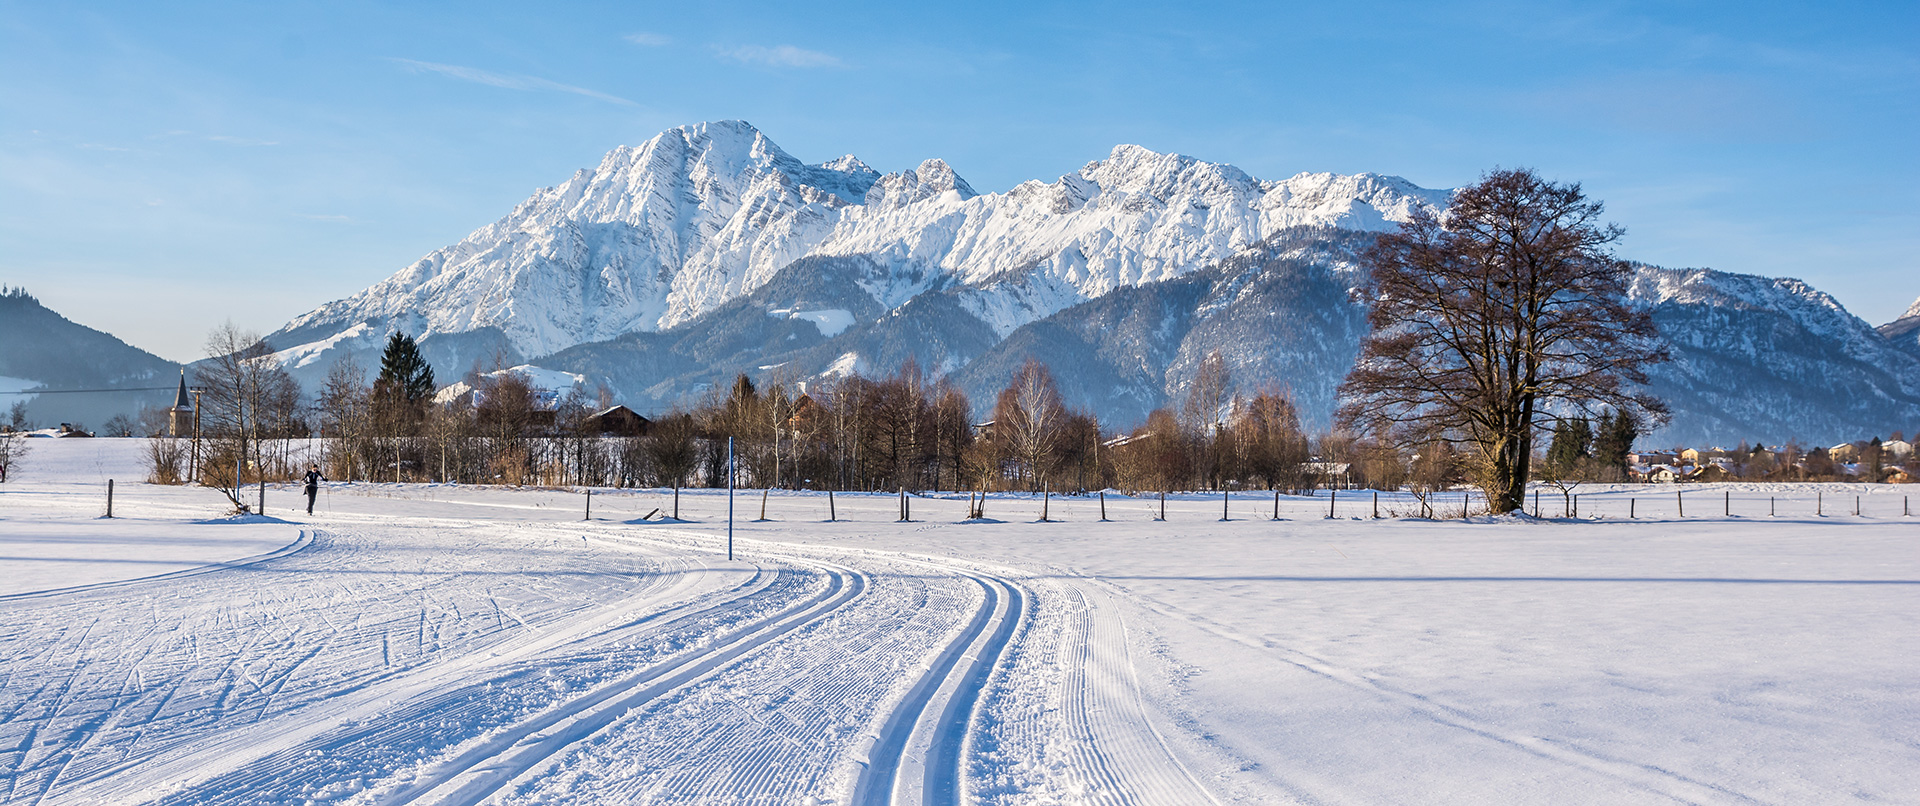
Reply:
x=464, y=645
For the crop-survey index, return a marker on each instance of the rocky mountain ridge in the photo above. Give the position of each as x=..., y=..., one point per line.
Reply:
x=709, y=251
x=697, y=216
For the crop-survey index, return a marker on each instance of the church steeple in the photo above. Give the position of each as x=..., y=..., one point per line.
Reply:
x=180, y=398
x=180, y=414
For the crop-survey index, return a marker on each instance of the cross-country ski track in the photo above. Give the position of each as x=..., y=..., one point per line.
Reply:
x=401, y=663
x=451, y=644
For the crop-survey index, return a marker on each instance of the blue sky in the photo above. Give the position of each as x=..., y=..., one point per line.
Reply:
x=164, y=167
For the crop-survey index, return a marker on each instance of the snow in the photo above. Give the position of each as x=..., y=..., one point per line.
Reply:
x=302, y=355
x=697, y=216
x=459, y=644
x=552, y=381
x=830, y=321
x=846, y=365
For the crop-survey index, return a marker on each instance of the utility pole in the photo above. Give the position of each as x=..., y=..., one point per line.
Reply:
x=193, y=463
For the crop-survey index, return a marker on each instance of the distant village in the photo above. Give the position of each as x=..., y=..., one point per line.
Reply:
x=1874, y=460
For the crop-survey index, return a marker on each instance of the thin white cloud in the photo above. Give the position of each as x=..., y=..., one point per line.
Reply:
x=505, y=80
x=779, y=56
x=647, y=39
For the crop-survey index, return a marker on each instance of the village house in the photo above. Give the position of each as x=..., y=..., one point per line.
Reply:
x=1698, y=457
x=619, y=421
x=1662, y=474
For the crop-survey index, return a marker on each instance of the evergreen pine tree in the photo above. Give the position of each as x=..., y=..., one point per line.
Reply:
x=404, y=370
x=1572, y=441
x=1614, y=440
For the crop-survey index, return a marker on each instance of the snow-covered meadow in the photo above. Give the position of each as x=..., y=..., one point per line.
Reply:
x=463, y=645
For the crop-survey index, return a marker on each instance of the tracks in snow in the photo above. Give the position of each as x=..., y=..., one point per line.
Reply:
x=484, y=769
x=918, y=754
x=332, y=673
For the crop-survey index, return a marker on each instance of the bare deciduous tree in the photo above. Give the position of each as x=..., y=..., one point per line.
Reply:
x=1028, y=418
x=13, y=448
x=249, y=399
x=1510, y=301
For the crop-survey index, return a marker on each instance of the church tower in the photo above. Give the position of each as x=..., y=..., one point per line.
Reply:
x=180, y=414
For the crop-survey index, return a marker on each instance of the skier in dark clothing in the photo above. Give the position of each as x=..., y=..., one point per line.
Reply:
x=313, y=486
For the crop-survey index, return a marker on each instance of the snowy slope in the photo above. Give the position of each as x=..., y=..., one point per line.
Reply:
x=1755, y=357
x=1905, y=331
x=1774, y=358
x=659, y=234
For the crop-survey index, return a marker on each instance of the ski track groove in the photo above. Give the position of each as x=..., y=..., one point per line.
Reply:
x=157, y=660
x=846, y=586
x=1649, y=778
x=410, y=725
x=909, y=661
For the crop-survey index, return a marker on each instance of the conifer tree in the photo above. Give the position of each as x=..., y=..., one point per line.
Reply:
x=404, y=370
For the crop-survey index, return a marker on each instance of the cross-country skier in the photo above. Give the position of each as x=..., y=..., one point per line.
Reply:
x=313, y=486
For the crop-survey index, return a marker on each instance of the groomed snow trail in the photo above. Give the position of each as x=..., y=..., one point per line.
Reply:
x=115, y=691
x=455, y=661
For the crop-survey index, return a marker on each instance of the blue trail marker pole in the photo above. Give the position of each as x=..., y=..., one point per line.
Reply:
x=729, y=499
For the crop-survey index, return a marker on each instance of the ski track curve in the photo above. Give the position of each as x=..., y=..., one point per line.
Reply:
x=192, y=666
x=420, y=663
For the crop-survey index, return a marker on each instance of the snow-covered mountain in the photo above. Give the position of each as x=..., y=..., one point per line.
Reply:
x=698, y=216
x=1772, y=358
x=1905, y=331
x=708, y=251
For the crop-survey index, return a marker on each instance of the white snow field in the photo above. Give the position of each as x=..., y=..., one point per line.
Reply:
x=443, y=644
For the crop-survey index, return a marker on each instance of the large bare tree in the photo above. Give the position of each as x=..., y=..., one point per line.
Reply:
x=1503, y=312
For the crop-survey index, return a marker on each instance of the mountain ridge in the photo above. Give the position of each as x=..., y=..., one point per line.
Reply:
x=707, y=251
x=699, y=215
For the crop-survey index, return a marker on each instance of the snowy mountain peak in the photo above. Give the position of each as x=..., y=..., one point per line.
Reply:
x=932, y=179
x=696, y=216
x=1913, y=310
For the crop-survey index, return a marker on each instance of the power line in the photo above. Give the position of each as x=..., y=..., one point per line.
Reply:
x=90, y=391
